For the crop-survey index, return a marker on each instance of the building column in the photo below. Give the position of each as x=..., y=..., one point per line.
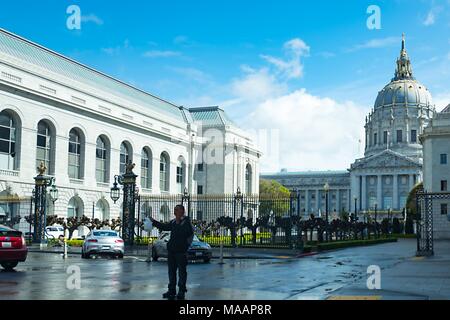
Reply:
x=338, y=201
x=411, y=182
x=317, y=201
x=354, y=192
x=395, y=204
x=380, y=191
x=307, y=202
x=363, y=192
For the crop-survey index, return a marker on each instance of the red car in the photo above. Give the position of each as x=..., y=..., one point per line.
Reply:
x=13, y=247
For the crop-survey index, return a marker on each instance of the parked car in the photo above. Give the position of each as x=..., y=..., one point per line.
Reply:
x=54, y=232
x=198, y=250
x=13, y=247
x=28, y=236
x=102, y=242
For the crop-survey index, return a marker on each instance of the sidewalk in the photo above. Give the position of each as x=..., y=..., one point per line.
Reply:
x=228, y=253
x=415, y=278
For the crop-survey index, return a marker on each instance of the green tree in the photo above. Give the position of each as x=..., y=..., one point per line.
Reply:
x=411, y=208
x=274, y=197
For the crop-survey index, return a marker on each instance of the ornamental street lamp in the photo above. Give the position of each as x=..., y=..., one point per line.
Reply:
x=376, y=207
x=356, y=210
x=40, y=200
x=326, y=188
x=130, y=196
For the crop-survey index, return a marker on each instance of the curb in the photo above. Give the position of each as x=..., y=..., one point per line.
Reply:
x=213, y=257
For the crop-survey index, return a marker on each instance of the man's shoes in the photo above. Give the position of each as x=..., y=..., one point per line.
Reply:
x=180, y=296
x=169, y=295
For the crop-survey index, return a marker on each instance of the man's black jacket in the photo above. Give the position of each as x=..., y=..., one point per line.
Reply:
x=181, y=234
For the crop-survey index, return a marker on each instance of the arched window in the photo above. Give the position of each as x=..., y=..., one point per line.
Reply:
x=248, y=179
x=101, y=161
x=125, y=156
x=44, y=146
x=102, y=210
x=7, y=141
x=146, y=169
x=164, y=172
x=181, y=168
x=75, y=155
x=75, y=208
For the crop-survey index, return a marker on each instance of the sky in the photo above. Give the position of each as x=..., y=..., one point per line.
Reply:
x=300, y=76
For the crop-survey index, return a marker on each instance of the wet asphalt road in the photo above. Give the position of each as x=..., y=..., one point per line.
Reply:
x=44, y=276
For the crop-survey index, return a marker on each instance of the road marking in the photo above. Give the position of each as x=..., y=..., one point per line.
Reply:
x=417, y=258
x=354, y=298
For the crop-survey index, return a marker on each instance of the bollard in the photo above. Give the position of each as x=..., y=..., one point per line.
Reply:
x=65, y=248
x=221, y=252
x=149, y=251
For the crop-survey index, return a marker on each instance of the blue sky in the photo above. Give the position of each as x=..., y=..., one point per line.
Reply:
x=309, y=70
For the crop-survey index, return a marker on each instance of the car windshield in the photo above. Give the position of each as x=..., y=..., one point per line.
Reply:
x=105, y=234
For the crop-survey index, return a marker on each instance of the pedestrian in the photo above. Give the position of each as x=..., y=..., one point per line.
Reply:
x=181, y=236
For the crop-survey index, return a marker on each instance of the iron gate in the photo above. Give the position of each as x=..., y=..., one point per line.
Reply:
x=426, y=204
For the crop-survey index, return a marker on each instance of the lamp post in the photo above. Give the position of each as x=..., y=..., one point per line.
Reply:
x=326, y=188
x=376, y=212
x=130, y=195
x=356, y=210
x=42, y=181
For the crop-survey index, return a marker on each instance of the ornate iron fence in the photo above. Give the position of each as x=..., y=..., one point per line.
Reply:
x=239, y=220
x=426, y=204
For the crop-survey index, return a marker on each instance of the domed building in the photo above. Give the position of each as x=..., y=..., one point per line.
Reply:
x=393, y=157
x=392, y=162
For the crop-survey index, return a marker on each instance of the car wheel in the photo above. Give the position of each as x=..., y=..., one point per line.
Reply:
x=9, y=266
x=120, y=256
x=207, y=260
x=154, y=255
x=87, y=255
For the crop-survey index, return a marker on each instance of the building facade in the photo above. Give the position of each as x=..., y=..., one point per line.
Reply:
x=85, y=126
x=392, y=162
x=436, y=170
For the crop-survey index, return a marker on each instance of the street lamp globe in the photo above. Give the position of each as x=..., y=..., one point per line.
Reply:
x=53, y=193
x=326, y=187
x=115, y=192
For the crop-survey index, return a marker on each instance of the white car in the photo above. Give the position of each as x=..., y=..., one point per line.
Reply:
x=54, y=232
x=99, y=242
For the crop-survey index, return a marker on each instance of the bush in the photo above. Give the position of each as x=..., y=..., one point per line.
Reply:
x=409, y=226
x=75, y=243
x=396, y=227
x=352, y=243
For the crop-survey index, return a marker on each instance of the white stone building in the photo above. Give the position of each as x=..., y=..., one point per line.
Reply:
x=392, y=162
x=436, y=169
x=86, y=125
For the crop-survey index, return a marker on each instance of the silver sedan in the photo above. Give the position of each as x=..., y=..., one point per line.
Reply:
x=99, y=242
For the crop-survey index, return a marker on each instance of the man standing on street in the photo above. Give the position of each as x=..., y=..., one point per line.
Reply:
x=181, y=236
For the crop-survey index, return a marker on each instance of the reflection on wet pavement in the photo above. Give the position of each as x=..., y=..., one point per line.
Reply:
x=43, y=276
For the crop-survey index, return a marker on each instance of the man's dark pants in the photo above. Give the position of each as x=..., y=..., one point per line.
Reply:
x=177, y=261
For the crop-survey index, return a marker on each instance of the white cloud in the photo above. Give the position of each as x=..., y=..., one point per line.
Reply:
x=430, y=19
x=256, y=86
x=315, y=133
x=92, y=18
x=375, y=43
x=193, y=74
x=161, y=54
x=441, y=100
x=117, y=50
x=294, y=50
